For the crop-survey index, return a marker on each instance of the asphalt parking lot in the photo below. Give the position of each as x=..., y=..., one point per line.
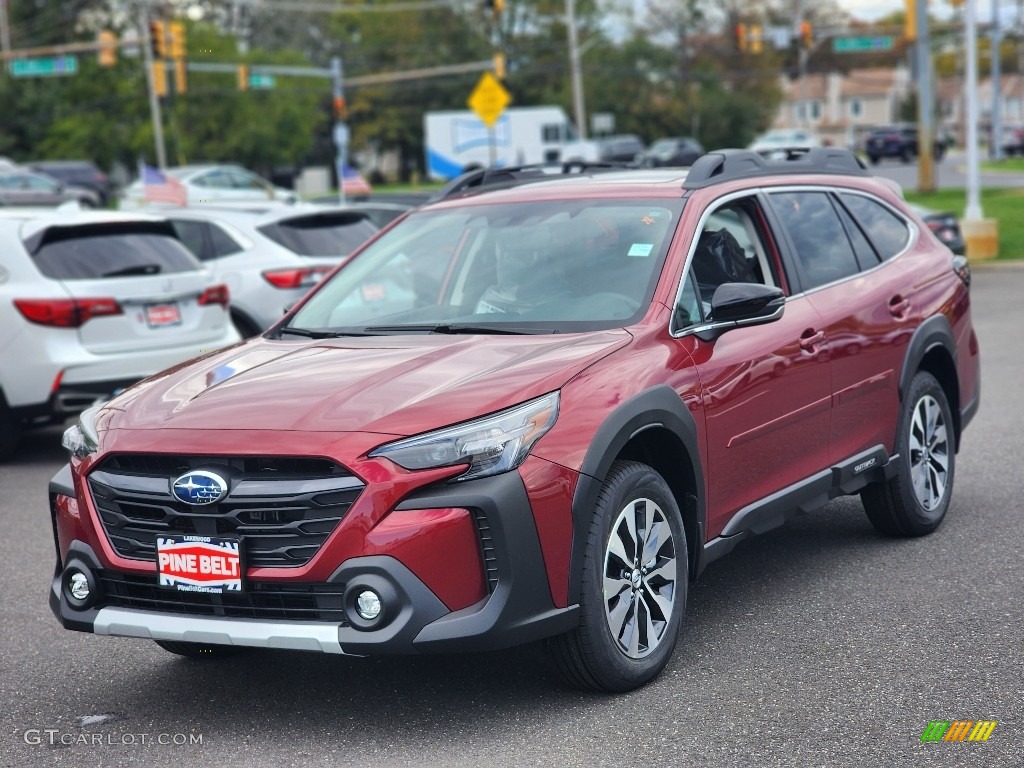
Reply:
x=819, y=644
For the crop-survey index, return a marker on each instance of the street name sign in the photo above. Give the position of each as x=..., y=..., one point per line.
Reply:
x=51, y=66
x=862, y=44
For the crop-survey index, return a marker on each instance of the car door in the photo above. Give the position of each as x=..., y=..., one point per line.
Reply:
x=864, y=313
x=43, y=191
x=764, y=389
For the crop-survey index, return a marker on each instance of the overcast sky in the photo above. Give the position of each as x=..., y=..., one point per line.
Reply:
x=872, y=9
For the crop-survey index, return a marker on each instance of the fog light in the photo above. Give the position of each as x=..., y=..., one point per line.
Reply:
x=368, y=605
x=78, y=586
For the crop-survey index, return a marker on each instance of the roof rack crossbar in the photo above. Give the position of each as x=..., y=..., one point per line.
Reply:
x=480, y=179
x=728, y=164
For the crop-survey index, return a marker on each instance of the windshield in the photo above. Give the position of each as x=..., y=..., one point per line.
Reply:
x=527, y=267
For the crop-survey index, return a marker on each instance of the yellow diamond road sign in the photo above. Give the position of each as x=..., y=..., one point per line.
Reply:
x=489, y=99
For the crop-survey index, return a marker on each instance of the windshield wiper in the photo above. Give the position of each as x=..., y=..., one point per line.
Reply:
x=135, y=269
x=455, y=328
x=310, y=333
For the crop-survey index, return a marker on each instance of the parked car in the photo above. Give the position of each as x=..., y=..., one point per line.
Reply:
x=945, y=227
x=212, y=184
x=78, y=173
x=679, y=152
x=898, y=141
x=91, y=302
x=784, y=138
x=22, y=187
x=381, y=213
x=1012, y=141
x=269, y=257
x=620, y=148
x=533, y=410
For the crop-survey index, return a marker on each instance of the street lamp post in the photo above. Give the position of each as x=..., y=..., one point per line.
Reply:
x=574, y=69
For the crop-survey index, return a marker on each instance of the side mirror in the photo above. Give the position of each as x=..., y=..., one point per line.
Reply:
x=739, y=304
x=736, y=302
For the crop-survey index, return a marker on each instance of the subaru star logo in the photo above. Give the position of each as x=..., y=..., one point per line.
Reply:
x=199, y=488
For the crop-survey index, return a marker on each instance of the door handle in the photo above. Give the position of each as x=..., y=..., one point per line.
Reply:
x=811, y=339
x=898, y=306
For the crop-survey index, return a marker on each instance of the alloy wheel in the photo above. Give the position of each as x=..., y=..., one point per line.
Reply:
x=929, y=452
x=639, y=578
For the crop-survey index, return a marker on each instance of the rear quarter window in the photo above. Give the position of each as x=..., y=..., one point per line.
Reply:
x=887, y=231
x=80, y=253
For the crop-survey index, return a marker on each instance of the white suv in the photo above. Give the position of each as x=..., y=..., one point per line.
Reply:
x=271, y=255
x=91, y=302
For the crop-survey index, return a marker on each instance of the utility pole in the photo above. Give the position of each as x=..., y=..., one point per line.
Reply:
x=925, y=102
x=996, y=141
x=154, y=101
x=574, y=69
x=973, y=209
x=802, y=55
x=5, y=31
x=980, y=235
x=340, y=129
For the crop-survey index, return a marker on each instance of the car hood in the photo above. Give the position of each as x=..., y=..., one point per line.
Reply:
x=389, y=385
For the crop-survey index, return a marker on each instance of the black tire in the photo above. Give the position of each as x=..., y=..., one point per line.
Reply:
x=199, y=650
x=246, y=328
x=10, y=431
x=873, y=159
x=905, y=156
x=651, y=598
x=901, y=507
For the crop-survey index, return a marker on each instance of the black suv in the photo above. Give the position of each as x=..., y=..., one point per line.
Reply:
x=896, y=141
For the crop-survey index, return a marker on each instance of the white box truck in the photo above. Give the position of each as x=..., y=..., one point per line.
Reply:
x=458, y=140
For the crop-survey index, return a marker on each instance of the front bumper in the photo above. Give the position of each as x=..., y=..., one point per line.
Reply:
x=517, y=608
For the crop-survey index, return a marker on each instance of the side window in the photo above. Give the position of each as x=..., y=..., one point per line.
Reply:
x=887, y=230
x=867, y=256
x=732, y=247
x=223, y=244
x=822, y=248
x=191, y=234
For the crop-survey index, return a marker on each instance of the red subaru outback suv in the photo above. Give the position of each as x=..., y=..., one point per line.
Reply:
x=535, y=409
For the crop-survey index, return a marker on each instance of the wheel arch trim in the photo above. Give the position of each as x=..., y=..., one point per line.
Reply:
x=934, y=334
x=658, y=408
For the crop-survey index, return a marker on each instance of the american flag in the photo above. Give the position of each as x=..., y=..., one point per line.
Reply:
x=353, y=183
x=159, y=187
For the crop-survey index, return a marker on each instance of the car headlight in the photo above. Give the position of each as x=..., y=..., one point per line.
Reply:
x=491, y=445
x=81, y=439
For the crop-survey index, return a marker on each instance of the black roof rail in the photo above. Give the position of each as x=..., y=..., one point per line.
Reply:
x=728, y=164
x=481, y=179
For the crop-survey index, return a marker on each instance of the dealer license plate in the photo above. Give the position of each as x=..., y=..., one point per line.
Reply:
x=199, y=564
x=161, y=315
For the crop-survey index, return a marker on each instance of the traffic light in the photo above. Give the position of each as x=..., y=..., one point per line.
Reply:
x=180, y=78
x=806, y=34
x=495, y=6
x=243, y=77
x=159, y=78
x=910, y=20
x=158, y=38
x=755, y=42
x=499, y=65
x=340, y=108
x=741, y=37
x=107, y=54
x=177, y=40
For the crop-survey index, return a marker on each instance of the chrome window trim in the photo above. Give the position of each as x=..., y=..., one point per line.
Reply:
x=835, y=189
x=714, y=206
